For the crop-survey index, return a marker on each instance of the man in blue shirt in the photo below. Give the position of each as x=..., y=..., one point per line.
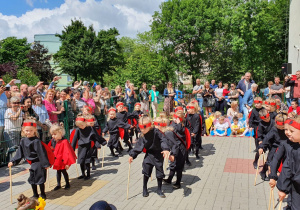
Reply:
x=242, y=87
x=248, y=99
x=213, y=84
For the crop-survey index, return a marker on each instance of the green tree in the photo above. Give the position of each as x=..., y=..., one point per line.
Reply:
x=87, y=54
x=14, y=50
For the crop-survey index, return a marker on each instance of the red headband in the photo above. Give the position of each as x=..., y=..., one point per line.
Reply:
x=293, y=123
x=145, y=126
x=190, y=107
x=119, y=104
x=111, y=110
x=176, y=116
x=279, y=123
x=264, y=117
x=273, y=104
x=91, y=120
x=80, y=119
x=258, y=102
x=137, y=104
x=178, y=108
x=29, y=124
x=88, y=107
x=160, y=124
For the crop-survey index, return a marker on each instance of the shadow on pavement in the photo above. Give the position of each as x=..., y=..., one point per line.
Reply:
x=5, y=186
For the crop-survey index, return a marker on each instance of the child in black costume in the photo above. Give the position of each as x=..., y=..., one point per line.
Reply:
x=289, y=181
x=90, y=121
x=270, y=105
x=254, y=120
x=136, y=114
x=113, y=125
x=194, y=125
x=123, y=116
x=63, y=152
x=83, y=137
x=156, y=146
x=271, y=141
x=178, y=149
x=32, y=149
x=264, y=126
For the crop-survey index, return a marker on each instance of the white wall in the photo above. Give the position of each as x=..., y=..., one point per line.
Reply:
x=294, y=35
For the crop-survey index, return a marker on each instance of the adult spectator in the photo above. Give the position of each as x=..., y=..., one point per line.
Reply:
x=31, y=91
x=287, y=91
x=197, y=90
x=107, y=96
x=294, y=83
x=208, y=98
x=267, y=91
x=42, y=113
x=3, y=107
x=248, y=99
x=117, y=95
x=24, y=90
x=213, y=84
x=154, y=100
x=233, y=110
x=144, y=98
x=130, y=95
x=13, y=122
x=14, y=88
x=60, y=104
x=50, y=105
x=242, y=87
x=127, y=84
x=294, y=107
x=89, y=101
x=277, y=88
x=169, y=94
x=98, y=87
x=100, y=108
x=77, y=103
x=233, y=95
x=27, y=110
x=219, y=98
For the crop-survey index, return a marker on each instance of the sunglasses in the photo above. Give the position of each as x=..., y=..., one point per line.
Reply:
x=232, y=86
x=16, y=102
x=153, y=87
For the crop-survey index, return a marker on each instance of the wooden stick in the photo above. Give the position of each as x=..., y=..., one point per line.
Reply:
x=77, y=170
x=273, y=199
x=280, y=205
x=166, y=163
x=103, y=156
x=269, y=207
x=128, y=180
x=10, y=184
x=48, y=178
x=257, y=170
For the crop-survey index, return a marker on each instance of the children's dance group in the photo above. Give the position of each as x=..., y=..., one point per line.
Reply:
x=164, y=138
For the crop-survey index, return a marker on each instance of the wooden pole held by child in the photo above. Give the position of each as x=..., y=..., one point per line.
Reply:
x=103, y=156
x=76, y=170
x=48, y=178
x=128, y=181
x=269, y=206
x=257, y=170
x=10, y=184
x=280, y=204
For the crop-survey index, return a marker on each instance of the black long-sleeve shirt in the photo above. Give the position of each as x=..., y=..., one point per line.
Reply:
x=254, y=118
x=154, y=142
x=113, y=126
x=192, y=122
x=273, y=138
x=264, y=128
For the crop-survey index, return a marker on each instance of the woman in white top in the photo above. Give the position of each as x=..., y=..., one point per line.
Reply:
x=219, y=98
x=13, y=122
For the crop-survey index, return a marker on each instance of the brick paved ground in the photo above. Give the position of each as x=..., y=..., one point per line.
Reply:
x=222, y=179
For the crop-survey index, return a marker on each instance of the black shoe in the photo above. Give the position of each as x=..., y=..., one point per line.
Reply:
x=145, y=193
x=67, y=186
x=35, y=197
x=161, y=194
x=93, y=167
x=166, y=181
x=87, y=178
x=120, y=155
x=263, y=175
x=189, y=163
x=81, y=177
x=197, y=157
x=44, y=196
x=255, y=165
x=176, y=186
x=57, y=188
x=288, y=207
x=200, y=147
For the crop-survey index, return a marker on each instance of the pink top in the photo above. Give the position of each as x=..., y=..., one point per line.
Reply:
x=50, y=108
x=90, y=102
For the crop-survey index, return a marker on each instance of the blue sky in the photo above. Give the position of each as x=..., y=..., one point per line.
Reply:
x=25, y=18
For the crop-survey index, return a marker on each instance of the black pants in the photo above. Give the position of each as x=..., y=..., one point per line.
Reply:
x=220, y=106
x=65, y=174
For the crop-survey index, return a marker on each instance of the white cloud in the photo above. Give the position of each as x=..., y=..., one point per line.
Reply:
x=29, y=2
x=128, y=16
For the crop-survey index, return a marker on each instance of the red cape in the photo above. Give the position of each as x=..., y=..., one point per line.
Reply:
x=187, y=138
x=64, y=155
x=72, y=137
x=121, y=132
